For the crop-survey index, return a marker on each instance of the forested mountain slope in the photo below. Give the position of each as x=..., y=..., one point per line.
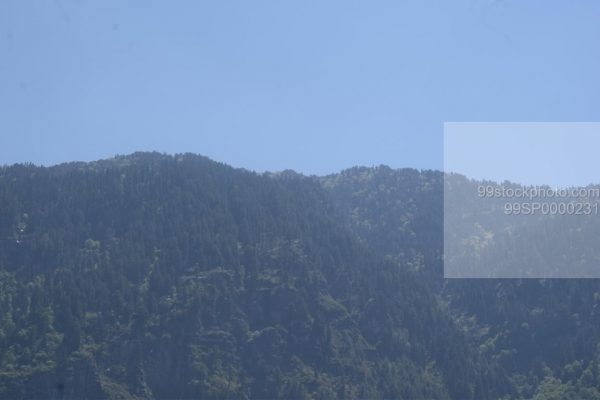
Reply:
x=545, y=333
x=153, y=276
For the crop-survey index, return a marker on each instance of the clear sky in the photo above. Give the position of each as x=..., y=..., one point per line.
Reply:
x=558, y=154
x=315, y=86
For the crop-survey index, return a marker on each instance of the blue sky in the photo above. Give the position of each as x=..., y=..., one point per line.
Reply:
x=315, y=86
x=558, y=154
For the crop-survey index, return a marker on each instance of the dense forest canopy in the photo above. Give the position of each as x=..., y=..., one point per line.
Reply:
x=157, y=276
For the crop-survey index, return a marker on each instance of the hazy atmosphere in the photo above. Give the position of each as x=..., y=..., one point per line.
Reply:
x=299, y=200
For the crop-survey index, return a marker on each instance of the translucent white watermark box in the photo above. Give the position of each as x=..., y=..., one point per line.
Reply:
x=522, y=200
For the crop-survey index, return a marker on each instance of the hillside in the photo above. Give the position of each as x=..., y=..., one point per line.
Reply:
x=544, y=333
x=154, y=276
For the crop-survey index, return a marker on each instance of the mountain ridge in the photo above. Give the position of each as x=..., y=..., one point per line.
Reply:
x=240, y=284
x=153, y=276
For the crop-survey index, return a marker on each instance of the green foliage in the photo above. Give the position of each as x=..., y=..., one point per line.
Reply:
x=151, y=276
x=542, y=333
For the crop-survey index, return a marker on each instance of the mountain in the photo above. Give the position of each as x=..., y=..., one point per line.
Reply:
x=156, y=276
x=544, y=333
